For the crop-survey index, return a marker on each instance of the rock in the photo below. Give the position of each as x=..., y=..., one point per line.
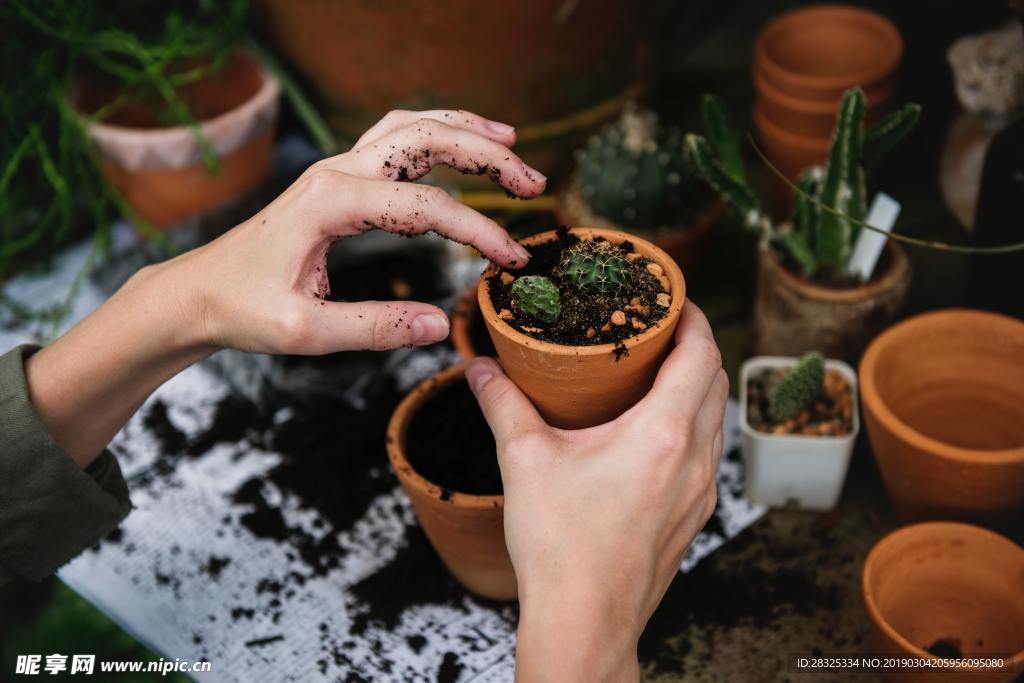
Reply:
x=664, y=299
x=505, y=314
x=508, y=278
x=591, y=333
x=638, y=324
x=618, y=318
x=632, y=256
x=655, y=270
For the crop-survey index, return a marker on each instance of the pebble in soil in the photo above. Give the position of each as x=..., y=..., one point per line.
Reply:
x=586, y=318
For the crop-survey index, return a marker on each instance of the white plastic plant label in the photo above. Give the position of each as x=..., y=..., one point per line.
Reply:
x=882, y=215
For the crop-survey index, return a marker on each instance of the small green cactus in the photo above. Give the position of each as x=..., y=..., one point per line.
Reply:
x=633, y=172
x=798, y=389
x=537, y=297
x=595, y=267
x=818, y=240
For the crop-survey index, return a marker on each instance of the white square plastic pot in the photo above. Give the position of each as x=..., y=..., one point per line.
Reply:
x=795, y=470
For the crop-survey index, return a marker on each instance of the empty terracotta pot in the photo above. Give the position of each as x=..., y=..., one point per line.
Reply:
x=686, y=244
x=793, y=315
x=467, y=531
x=947, y=588
x=159, y=169
x=789, y=152
x=469, y=333
x=581, y=386
x=820, y=51
x=943, y=400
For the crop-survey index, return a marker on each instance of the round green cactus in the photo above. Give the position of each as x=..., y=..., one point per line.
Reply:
x=595, y=267
x=633, y=172
x=537, y=297
x=798, y=389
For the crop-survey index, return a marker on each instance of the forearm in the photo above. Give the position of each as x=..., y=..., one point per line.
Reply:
x=568, y=636
x=89, y=382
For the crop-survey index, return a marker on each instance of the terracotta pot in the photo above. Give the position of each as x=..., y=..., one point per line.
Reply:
x=467, y=531
x=498, y=60
x=582, y=386
x=686, y=244
x=820, y=51
x=469, y=332
x=952, y=583
x=789, y=153
x=944, y=407
x=793, y=315
x=159, y=169
x=814, y=118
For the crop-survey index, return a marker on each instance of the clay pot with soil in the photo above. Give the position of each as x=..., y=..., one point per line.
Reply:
x=161, y=169
x=814, y=289
x=944, y=407
x=583, y=328
x=632, y=176
x=799, y=422
x=444, y=455
x=947, y=590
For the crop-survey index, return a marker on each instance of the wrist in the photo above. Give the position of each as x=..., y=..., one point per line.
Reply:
x=572, y=633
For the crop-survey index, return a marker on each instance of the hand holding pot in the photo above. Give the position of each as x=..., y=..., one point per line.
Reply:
x=262, y=286
x=597, y=520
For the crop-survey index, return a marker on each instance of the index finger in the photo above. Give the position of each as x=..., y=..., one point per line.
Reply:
x=689, y=371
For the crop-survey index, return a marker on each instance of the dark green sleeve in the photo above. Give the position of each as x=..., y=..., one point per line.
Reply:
x=50, y=508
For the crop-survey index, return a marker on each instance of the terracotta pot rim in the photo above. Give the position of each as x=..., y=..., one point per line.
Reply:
x=706, y=219
x=876, y=97
x=461, y=314
x=951, y=529
x=267, y=92
x=807, y=143
x=672, y=271
x=398, y=426
x=898, y=264
x=872, y=398
x=887, y=33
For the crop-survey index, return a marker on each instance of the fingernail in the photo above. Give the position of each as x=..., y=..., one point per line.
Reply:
x=534, y=174
x=522, y=256
x=500, y=128
x=428, y=328
x=478, y=373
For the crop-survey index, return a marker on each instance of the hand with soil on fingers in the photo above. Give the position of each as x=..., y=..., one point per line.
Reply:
x=262, y=286
x=597, y=520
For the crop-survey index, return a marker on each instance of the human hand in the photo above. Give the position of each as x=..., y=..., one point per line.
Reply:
x=262, y=286
x=597, y=520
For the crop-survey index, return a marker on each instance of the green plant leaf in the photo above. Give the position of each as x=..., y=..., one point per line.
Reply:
x=722, y=136
x=796, y=246
x=832, y=243
x=703, y=164
x=889, y=131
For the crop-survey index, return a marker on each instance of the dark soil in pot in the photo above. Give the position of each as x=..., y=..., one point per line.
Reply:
x=586, y=318
x=450, y=444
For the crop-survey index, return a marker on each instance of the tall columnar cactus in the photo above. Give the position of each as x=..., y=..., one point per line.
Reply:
x=832, y=200
x=798, y=389
x=595, y=267
x=633, y=172
x=537, y=297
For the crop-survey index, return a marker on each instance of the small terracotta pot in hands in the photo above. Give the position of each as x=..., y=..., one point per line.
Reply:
x=943, y=400
x=466, y=530
x=574, y=387
x=820, y=51
x=945, y=588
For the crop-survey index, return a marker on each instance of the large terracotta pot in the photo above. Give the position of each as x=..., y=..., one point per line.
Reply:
x=686, y=244
x=943, y=400
x=793, y=315
x=552, y=69
x=820, y=51
x=949, y=583
x=467, y=531
x=159, y=169
x=582, y=386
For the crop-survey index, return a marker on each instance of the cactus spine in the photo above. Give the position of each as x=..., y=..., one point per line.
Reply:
x=633, y=172
x=595, y=267
x=537, y=297
x=817, y=238
x=798, y=389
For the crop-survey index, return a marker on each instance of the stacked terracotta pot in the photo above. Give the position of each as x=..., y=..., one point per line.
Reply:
x=803, y=62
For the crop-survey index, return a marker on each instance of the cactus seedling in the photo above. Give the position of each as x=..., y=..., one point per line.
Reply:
x=821, y=233
x=633, y=172
x=798, y=389
x=595, y=267
x=537, y=297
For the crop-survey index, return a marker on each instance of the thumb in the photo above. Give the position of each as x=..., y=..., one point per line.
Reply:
x=381, y=325
x=507, y=410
